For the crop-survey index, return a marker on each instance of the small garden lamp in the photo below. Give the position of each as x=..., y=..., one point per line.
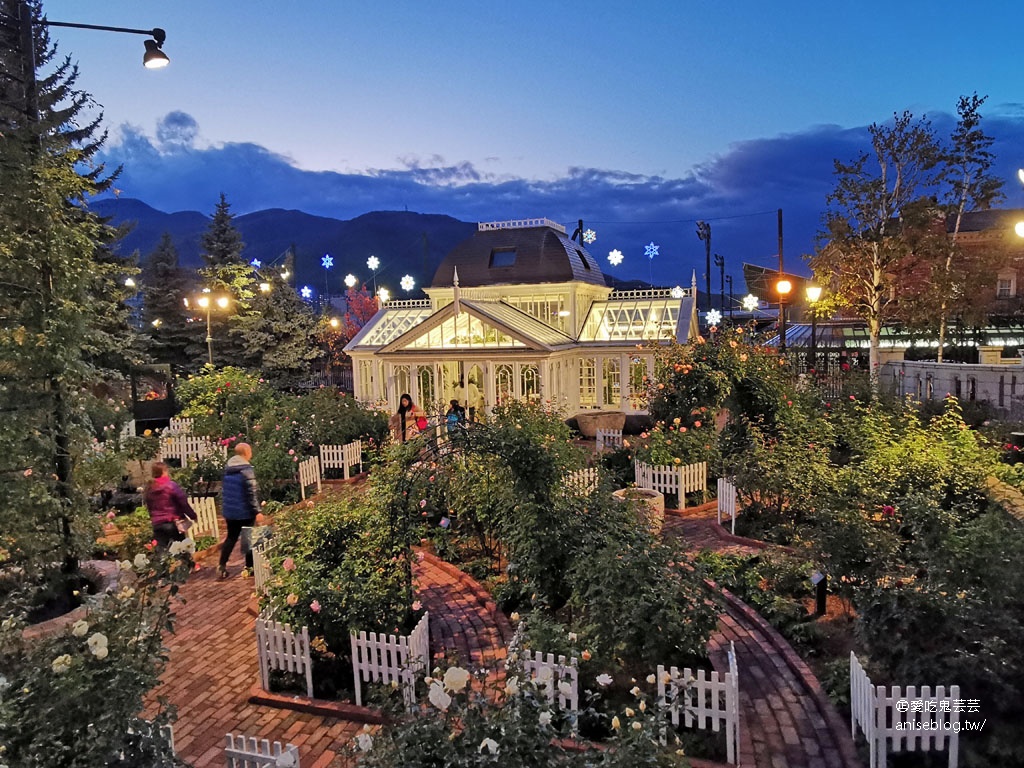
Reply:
x=813, y=293
x=783, y=287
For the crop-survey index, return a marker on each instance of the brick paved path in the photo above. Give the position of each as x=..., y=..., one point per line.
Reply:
x=786, y=720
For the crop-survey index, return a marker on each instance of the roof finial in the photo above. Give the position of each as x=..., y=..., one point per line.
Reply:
x=693, y=282
x=455, y=289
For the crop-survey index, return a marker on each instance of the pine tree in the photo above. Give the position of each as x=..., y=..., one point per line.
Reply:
x=165, y=286
x=279, y=336
x=222, y=243
x=53, y=325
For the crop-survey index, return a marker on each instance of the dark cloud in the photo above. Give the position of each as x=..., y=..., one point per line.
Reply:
x=738, y=192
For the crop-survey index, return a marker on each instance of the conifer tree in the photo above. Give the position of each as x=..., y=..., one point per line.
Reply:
x=165, y=286
x=279, y=336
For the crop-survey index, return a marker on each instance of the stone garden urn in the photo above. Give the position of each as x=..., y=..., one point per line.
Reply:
x=650, y=505
x=591, y=421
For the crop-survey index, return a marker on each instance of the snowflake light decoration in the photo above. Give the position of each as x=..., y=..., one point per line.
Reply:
x=256, y=263
x=327, y=261
x=407, y=283
x=373, y=262
x=713, y=316
x=615, y=257
x=350, y=280
x=306, y=292
x=650, y=251
x=750, y=302
x=384, y=295
x=589, y=236
x=678, y=292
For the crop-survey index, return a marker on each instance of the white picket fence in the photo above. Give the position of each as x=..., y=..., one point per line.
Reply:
x=280, y=647
x=309, y=474
x=727, y=501
x=548, y=672
x=707, y=702
x=678, y=480
x=908, y=719
x=180, y=426
x=187, y=448
x=128, y=430
x=608, y=438
x=583, y=481
x=343, y=457
x=250, y=752
x=381, y=658
x=208, y=521
x=261, y=564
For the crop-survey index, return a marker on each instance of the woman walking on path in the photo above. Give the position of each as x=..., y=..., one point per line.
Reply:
x=168, y=507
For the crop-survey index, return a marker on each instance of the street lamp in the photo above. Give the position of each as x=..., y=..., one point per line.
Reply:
x=783, y=287
x=813, y=293
x=206, y=302
x=728, y=279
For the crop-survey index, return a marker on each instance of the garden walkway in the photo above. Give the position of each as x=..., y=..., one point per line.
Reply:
x=786, y=720
x=213, y=665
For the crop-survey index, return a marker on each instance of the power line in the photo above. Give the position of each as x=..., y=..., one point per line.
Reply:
x=690, y=221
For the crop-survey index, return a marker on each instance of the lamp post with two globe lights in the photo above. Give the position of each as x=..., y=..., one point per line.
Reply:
x=206, y=302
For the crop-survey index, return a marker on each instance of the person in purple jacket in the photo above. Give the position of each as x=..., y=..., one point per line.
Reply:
x=167, y=504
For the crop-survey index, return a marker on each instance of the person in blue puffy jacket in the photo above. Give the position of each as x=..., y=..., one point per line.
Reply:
x=239, y=503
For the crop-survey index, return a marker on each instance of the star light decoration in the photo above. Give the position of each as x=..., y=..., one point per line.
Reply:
x=615, y=257
x=750, y=302
x=650, y=251
x=589, y=236
x=384, y=295
x=678, y=292
x=350, y=280
x=306, y=292
x=713, y=316
x=373, y=262
x=256, y=263
x=407, y=283
x=327, y=261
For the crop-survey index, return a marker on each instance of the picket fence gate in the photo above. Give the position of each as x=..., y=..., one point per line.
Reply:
x=933, y=725
x=667, y=478
x=608, y=438
x=584, y=481
x=548, y=671
x=128, y=430
x=250, y=752
x=704, y=701
x=727, y=501
x=280, y=647
x=180, y=426
x=189, y=447
x=309, y=474
x=261, y=564
x=343, y=457
x=208, y=521
x=381, y=658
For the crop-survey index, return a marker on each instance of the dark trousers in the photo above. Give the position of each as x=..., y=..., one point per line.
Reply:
x=165, y=533
x=234, y=531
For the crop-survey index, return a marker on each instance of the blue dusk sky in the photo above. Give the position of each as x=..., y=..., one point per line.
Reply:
x=639, y=118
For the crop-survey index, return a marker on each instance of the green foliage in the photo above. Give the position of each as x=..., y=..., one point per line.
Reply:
x=99, y=468
x=102, y=665
x=225, y=402
x=339, y=570
x=165, y=286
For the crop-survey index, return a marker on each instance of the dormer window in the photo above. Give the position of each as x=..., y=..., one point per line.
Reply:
x=502, y=257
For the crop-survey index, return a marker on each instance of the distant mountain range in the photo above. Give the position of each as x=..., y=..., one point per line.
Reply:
x=405, y=243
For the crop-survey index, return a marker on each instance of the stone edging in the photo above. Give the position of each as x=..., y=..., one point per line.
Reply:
x=837, y=728
x=108, y=578
x=340, y=710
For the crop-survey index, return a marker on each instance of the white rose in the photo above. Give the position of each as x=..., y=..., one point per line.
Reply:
x=514, y=617
x=61, y=664
x=635, y=690
x=652, y=679
x=101, y=652
x=544, y=675
x=490, y=745
x=604, y=679
x=456, y=678
x=572, y=637
x=96, y=640
x=79, y=628
x=438, y=697
x=125, y=565
x=365, y=742
x=637, y=726
x=141, y=561
x=512, y=686
x=565, y=689
x=544, y=718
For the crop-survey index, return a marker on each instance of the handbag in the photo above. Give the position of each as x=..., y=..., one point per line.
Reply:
x=421, y=423
x=182, y=524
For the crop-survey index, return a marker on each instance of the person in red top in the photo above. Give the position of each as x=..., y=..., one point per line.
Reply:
x=167, y=504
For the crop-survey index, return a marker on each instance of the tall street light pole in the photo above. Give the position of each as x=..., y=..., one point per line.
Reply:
x=704, y=233
x=720, y=263
x=813, y=293
x=783, y=287
x=728, y=279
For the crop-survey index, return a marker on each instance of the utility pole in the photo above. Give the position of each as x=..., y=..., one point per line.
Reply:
x=704, y=233
x=720, y=263
x=728, y=279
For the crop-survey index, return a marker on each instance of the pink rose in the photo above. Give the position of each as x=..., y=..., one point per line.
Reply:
x=292, y=599
x=416, y=605
x=315, y=606
x=291, y=451
x=288, y=564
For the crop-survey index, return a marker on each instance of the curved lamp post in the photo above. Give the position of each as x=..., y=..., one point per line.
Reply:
x=206, y=302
